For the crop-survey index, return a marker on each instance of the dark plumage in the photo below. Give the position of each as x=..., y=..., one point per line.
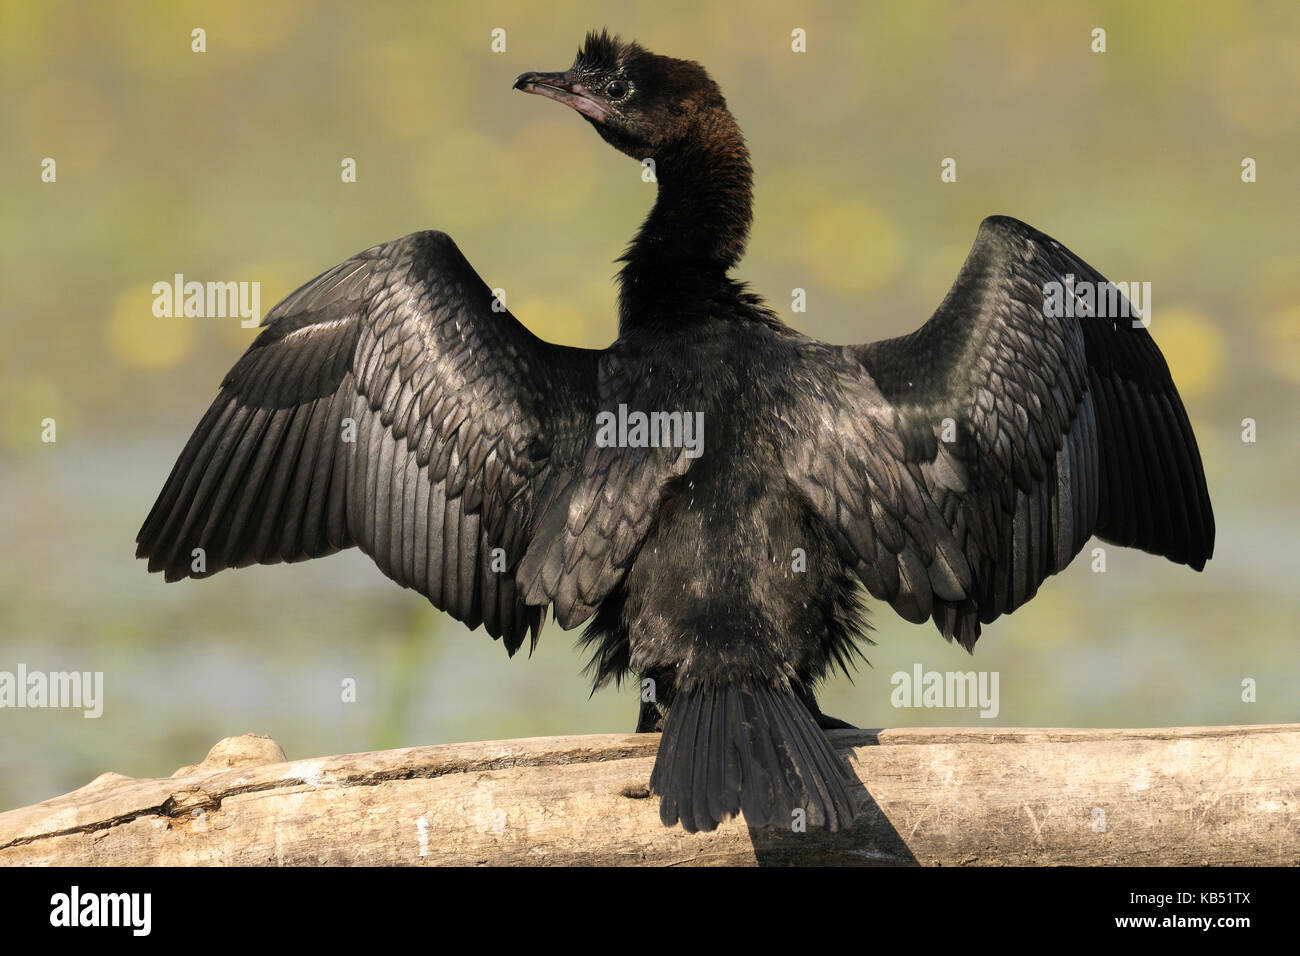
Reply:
x=472, y=435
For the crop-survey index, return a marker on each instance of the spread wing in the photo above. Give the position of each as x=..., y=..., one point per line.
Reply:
x=390, y=404
x=1014, y=434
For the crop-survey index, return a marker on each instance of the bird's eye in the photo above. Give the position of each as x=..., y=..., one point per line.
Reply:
x=616, y=90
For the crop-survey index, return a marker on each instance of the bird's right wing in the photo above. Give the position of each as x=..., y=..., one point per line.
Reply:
x=391, y=403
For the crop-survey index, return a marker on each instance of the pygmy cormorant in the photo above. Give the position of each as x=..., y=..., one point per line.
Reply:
x=393, y=404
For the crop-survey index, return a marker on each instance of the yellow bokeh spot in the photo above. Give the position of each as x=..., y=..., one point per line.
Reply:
x=597, y=303
x=1282, y=335
x=551, y=320
x=1192, y=345
x=141, y=339
x=276, y=279
x=851, y=247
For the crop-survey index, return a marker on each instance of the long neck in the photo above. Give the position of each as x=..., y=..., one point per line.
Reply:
x=699, y=224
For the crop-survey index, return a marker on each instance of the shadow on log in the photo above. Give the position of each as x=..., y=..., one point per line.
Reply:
x=1177, y=796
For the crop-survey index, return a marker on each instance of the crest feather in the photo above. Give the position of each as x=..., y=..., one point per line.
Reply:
x=601, y=52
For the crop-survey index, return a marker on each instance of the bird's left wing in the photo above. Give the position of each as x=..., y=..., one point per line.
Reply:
x=979, y=453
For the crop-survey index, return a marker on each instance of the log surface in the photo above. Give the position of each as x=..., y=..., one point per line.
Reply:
x=950, y=797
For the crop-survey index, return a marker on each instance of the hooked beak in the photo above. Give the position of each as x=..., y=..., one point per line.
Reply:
x=562, y=89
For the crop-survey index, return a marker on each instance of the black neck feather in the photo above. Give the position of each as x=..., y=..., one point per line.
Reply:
x=700, y=222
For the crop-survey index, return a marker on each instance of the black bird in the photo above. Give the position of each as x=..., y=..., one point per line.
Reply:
x=392, y=404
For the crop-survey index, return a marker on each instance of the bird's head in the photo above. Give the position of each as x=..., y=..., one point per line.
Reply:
x=642, y=104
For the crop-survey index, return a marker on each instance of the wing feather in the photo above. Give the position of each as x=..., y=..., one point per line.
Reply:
x=1066, y=427
x=386, y=404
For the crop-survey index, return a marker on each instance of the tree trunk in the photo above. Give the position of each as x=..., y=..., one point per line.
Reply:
x=1176, y=796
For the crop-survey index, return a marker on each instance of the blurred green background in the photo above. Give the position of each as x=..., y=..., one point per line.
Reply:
x=225, y=165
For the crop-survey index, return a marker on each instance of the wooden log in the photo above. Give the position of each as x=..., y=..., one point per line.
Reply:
x=1176, y=796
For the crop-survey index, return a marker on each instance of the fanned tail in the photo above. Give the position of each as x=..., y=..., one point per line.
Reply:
x=751, y=748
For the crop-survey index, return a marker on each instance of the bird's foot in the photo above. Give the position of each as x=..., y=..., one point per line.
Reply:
x=649, y=720
x=833, y=723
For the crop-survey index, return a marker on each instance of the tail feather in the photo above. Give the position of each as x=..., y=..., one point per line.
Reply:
x=747, y=747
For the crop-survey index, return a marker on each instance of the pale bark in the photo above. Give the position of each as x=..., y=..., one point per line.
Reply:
x=1216, y=795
